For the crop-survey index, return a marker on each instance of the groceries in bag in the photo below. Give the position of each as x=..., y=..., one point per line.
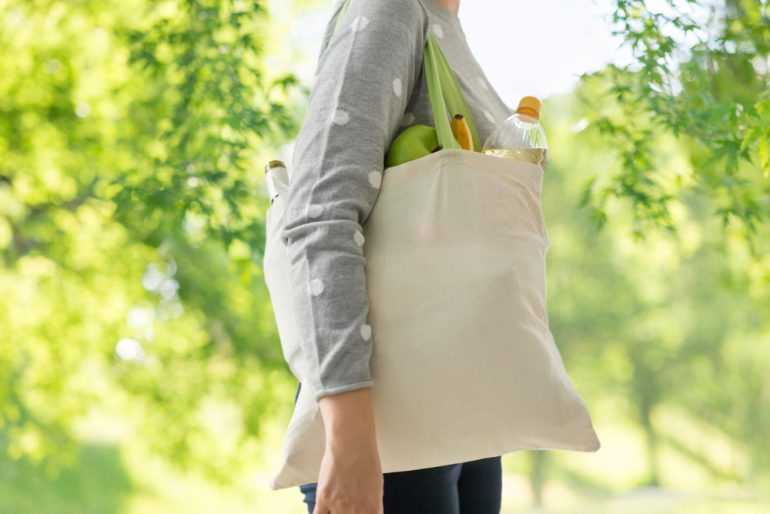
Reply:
x=420, y=140
x=276, y=179
x=462, y=132
x=414, y=142
x=520, y=136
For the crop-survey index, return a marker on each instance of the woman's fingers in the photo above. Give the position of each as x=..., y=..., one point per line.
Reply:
x=320, y=508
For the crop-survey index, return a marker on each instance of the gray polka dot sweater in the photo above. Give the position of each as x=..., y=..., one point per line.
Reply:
x=369, y=86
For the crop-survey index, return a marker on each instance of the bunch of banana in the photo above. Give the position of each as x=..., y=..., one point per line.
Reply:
x=419, y=140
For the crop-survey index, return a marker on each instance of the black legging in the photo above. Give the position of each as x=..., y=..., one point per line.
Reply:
x=473, y=487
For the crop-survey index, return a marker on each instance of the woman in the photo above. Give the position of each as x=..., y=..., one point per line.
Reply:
x=369, y=87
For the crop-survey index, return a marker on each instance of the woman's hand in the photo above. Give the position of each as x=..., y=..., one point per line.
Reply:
x=350, y=479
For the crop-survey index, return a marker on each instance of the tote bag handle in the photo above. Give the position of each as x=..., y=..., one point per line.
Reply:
x=443, y=90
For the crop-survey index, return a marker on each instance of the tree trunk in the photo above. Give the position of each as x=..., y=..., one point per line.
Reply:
x=537, y=472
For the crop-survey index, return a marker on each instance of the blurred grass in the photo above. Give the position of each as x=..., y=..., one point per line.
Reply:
x=102, y=485
x=114, y=476
x=98, y=484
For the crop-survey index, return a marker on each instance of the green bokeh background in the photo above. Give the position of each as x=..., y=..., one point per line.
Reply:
x=140, y=367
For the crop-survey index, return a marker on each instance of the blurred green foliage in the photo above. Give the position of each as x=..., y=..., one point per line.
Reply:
x=670, y=322
x=701, y=72
x=132, y=138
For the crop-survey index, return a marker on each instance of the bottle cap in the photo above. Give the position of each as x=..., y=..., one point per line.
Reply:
x=529, y=106
x=275, y=163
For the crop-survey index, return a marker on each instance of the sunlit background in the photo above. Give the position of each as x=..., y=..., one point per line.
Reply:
x=140, y=368
x=513, y=42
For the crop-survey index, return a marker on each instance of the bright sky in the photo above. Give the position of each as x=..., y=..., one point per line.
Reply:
x=533, y=47
x=539, y=47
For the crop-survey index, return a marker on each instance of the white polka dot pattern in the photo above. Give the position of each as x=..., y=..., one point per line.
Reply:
x=366, y=331
x=437, y=30
x=375, y=178
x=359, y=23
x=316, y=286
x=358, y=237
x=341, y=117
x=314, y=210
x=397, y=87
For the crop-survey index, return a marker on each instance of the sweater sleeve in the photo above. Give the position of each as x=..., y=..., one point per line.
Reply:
x=365, y=75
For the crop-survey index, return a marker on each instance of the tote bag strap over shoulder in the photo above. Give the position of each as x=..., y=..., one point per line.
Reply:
x=446, y=97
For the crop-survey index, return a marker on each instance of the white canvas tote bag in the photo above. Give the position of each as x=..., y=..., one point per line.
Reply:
x=463, y=362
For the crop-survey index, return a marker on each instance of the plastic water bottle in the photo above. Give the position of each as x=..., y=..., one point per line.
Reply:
x=276, y=178
x=520, y=136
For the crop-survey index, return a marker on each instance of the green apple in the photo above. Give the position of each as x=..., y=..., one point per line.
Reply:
x=414, y=142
